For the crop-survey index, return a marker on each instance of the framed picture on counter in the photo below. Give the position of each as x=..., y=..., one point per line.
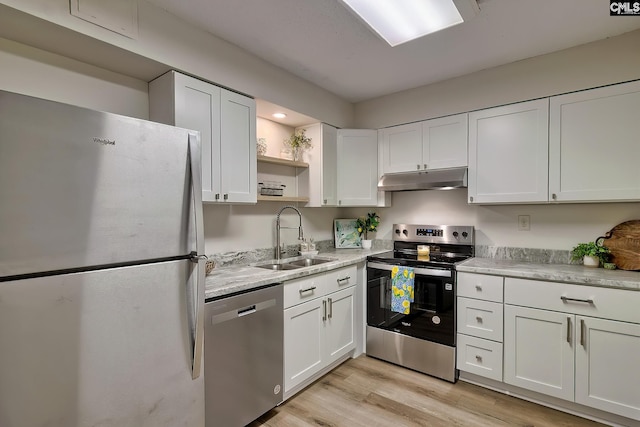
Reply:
x=346, y=233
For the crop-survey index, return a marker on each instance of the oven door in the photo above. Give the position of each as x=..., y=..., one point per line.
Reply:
x=431, y=315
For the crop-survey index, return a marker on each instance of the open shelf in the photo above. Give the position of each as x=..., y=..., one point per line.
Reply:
x=283, y=162
x=282, y=199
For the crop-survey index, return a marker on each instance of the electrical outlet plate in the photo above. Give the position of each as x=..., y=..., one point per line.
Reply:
x=524, y=222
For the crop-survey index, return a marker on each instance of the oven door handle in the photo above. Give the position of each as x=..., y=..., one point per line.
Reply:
x=420, y=271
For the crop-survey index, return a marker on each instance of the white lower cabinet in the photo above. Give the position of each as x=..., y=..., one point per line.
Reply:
x=479, y=356
x=553, y=345
x=538, y=348
x=480, y=325
x=607, y=372
x=320, y=329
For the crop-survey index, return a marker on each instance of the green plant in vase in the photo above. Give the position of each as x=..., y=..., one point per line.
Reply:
x=367, y=224
x=591, y=254
x=298, y=142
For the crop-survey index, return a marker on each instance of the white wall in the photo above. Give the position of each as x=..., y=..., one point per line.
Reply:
x=166, y=40
x=239, y=228
x=608, y=61
x=552, y=226
x=46, y=75
x=558, y=226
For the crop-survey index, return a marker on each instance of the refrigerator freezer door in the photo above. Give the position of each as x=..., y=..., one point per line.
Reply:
x=108, y=348
x=81, y=188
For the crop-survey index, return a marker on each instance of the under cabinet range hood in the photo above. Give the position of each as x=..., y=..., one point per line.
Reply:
x=442, y=179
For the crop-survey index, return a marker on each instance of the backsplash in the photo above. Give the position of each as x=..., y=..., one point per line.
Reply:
x=539, y=256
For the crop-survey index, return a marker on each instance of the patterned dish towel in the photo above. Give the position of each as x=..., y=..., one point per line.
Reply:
x=402, y=279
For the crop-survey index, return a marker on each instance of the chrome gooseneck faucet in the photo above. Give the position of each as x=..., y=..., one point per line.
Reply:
x=278, y=227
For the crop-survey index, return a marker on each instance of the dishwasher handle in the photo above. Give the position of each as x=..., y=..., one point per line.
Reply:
x=236, y=313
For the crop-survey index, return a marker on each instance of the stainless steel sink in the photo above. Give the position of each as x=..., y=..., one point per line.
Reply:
x=308, y=262
x=294, y=264
x=275, y=266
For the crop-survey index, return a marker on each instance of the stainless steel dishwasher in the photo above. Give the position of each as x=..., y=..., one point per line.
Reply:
x=243, y=351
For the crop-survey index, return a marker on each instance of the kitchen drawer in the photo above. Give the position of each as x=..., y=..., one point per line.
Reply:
x=480, y=286
x=482, y=319
x=479, y=356
x=605, y=303
x=341, y=278
x=304, y=289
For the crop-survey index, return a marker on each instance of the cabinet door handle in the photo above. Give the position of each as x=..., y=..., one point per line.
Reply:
x=306, y=290
x=479, y=319
x=554, y=196
x=479, y=288
x=344, y=279
x=568, y=299
x=569, y=329
x=478, y=358
x=471, y=199
x=226, y=196
x=583, y=334
x=418, y=167
x=217, y=196
x=425, y=166
x=330, y=308
x=324, y=310
x=324, y=201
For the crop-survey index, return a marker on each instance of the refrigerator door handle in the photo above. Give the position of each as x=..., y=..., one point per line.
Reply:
x=197, y=308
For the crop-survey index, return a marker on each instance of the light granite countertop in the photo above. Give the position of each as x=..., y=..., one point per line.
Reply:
x=565, y=273
x=229, y=280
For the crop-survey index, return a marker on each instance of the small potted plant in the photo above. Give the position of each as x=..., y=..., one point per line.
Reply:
x=366, y=224
x=298, y=142
x=591, y=254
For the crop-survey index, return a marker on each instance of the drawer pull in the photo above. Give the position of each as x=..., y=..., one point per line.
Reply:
x=479, y=319
x=302, y=291
x=344, y=279
x=568, y=299
x=479, y=358
x=569, y=329
x=479, y=288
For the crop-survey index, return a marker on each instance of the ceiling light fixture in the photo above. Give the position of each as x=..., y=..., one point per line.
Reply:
x=400, y=21
x=279, y=115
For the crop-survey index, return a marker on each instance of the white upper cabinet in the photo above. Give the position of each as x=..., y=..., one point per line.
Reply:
x=238, y=173
x=594, y=144
x=427, y=145
x=227, y=125
x=402, y=148
x=444, y=142
x=320, y=179
x=357, y=159
x=508, y=153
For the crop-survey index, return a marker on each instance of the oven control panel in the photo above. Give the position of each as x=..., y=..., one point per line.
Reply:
x=429, y=232
x=444, y=234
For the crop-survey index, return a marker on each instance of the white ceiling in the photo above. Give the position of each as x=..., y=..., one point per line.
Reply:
x=323, y=43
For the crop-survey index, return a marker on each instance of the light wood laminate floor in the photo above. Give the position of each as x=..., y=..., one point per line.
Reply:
x=369, y=392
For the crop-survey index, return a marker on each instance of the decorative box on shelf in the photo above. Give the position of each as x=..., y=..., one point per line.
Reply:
x=271, y=188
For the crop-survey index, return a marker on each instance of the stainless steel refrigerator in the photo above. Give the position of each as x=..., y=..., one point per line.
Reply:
x=101, y=269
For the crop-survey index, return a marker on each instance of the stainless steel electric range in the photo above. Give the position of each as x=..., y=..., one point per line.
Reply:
x=423, y=339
